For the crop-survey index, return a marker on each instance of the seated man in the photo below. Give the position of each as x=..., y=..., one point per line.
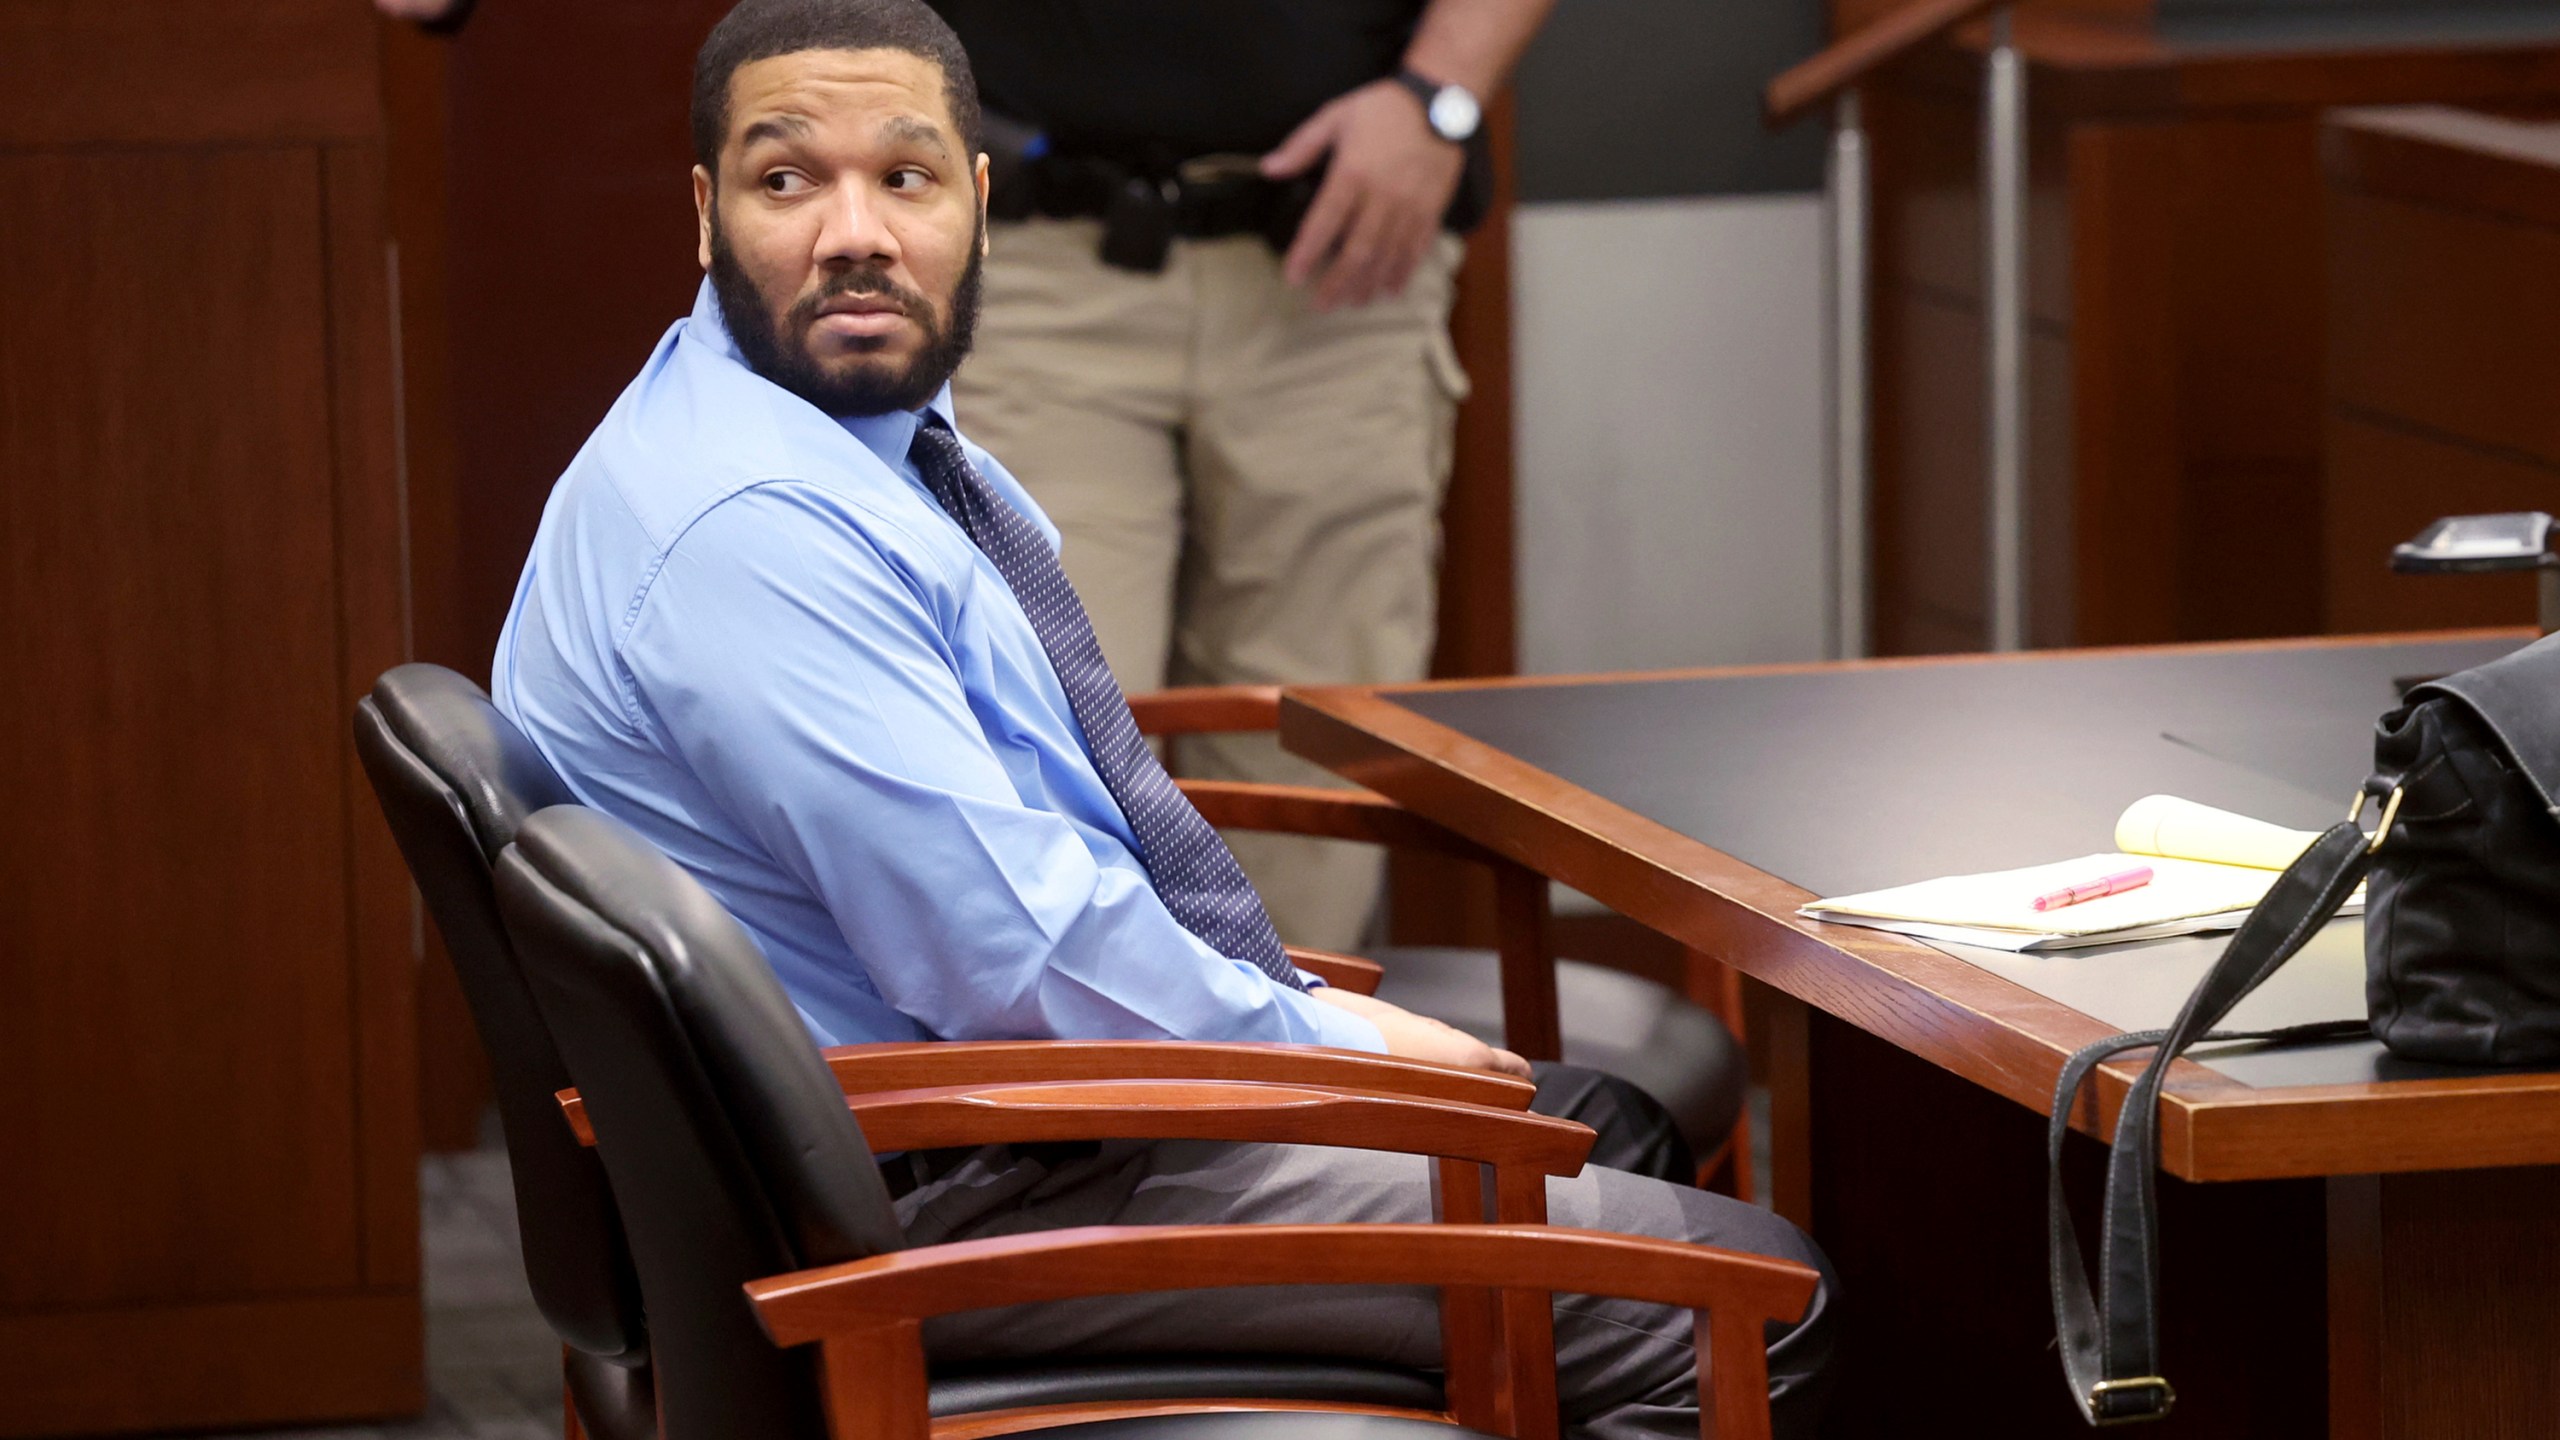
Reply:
x=785, y=621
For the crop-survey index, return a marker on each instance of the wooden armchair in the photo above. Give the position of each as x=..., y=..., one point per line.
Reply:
x=1481, y=1151
x=745, y=1177
x=457, y=781
x=866, y=1316
x=1548, y=1008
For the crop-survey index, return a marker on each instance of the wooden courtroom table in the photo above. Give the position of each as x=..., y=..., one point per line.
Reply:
x=2352, y=1245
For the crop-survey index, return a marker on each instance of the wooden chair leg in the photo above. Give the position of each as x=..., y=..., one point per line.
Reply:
x=1727, y=1169
x=1530, y=1027
x=1717, y=986
x=1478, y=1379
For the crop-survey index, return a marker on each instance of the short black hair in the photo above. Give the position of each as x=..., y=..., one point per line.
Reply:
x=762, y=29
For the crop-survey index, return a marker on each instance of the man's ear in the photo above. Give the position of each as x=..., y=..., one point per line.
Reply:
x=702, y=217
x=985, y=183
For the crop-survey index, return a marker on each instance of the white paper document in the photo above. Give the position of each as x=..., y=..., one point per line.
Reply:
x=2186, y=896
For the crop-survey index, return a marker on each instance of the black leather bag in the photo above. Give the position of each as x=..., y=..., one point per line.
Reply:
x=2462, y=965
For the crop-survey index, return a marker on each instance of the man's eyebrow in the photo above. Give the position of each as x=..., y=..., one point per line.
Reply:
x=785, y=126
x=914, y=131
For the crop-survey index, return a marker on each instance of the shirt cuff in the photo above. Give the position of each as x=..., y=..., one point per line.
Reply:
x=1311, y=980
x=1345, y=1031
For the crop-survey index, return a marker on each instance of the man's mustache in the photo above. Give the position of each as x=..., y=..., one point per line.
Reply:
x=862, y=282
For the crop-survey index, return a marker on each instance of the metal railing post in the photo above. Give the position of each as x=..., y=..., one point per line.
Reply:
x=2004, y=316
x=1849, y=552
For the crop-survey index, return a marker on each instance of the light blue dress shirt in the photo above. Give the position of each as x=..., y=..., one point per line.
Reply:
x=749, y=631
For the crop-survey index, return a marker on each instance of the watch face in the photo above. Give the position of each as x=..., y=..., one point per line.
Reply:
x=1454, y=113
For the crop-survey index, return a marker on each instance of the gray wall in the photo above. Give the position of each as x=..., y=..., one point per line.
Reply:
x=1666, y=272
x=1638, y=99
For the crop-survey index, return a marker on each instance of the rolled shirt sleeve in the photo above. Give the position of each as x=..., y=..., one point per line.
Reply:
x=801, y=670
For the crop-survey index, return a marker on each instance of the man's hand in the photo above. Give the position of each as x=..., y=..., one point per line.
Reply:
x=1419, y=1037
x=1379, y=208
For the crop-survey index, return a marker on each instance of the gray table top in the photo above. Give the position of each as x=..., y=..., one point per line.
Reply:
x=1851, y=779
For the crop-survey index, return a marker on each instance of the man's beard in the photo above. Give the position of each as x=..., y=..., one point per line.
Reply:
x=779, y=351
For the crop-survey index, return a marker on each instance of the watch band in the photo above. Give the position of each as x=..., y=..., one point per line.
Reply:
x=1424, y=88
x=1451, y=110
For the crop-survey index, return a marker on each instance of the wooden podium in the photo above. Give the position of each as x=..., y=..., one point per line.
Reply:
x=2177, y=294
x=208, y=1158
x=2444, y=350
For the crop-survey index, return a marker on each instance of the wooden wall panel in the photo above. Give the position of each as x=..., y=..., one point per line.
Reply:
x=453, y=1075
x=1930, y=496
x=2466, y=1270
x=156, y=72
x=382, y=921
x=2177, y=262
x=1931, y=501
x=562, y=275
x=2173, y=386
x=2124, y=543
x=2251, y=313
x=173, y=905
x=2444, y=291
x=2448, y=320
x=158, y=1369
x=2386, y=482
x=207, y=1092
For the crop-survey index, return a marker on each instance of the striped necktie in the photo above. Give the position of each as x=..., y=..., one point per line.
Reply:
x=1194, y=873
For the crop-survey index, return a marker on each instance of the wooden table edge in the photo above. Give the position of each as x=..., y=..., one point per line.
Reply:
x=2518, y=633
x=1964, y=1019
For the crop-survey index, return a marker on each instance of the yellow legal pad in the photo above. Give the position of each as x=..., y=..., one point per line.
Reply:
x=2209, y=868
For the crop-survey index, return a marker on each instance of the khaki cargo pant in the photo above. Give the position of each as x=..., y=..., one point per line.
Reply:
x=1249, y=491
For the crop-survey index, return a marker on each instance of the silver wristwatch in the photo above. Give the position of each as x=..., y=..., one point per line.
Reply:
x=1453, y=110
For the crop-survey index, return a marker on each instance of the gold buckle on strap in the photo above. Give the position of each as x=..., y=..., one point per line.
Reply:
x=2390, y=812
x=2099, y=1392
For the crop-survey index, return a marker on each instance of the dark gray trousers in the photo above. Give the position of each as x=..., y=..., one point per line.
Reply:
x=1625, y=1370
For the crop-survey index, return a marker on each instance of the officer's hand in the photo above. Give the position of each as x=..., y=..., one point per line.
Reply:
x=1379, y=209
x=1419, y=1037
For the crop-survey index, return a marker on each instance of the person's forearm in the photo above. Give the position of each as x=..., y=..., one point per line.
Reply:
x=1474, y=42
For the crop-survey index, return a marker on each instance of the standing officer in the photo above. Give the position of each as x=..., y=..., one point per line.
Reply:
x=1215, y=342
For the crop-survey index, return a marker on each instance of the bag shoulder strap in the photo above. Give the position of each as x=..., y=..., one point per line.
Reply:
x=2110, y=1344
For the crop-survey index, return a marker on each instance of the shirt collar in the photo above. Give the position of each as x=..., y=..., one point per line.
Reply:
x=887, y=436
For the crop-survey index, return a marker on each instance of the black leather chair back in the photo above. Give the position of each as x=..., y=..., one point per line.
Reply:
x=456, y=780
x=726, y=1137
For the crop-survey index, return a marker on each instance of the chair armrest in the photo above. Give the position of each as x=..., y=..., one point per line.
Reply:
x=1021, y=1113
x=1244, y=1111
x=1346, y=972
x=1329, y=814
x=933, y=1280
x=869, y=1313
x=925, y=1064
x=1207, y=710
x=937, y=1064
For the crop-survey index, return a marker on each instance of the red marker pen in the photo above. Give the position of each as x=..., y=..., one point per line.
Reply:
x=2104, y=885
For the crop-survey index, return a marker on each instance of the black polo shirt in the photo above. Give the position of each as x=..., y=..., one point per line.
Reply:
x=1197, y=77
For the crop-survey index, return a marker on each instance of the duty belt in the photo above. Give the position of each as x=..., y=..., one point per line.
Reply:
x=1145, y=208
